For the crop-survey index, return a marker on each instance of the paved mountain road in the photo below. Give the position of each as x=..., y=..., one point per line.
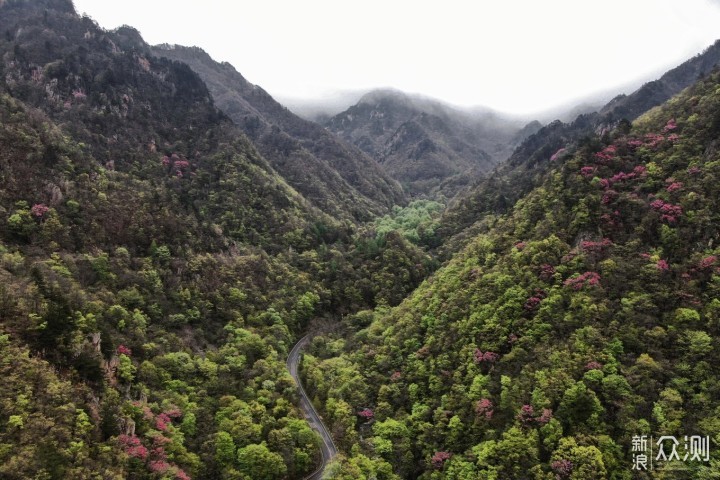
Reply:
x=328, y=449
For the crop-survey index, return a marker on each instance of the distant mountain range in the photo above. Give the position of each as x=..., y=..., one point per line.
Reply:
x=498, y=191
x=428, y=146
x=336, y=176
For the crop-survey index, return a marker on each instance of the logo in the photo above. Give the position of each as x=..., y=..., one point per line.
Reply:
x=649, y=454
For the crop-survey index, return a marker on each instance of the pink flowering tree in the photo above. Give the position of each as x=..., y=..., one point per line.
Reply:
x=593, y=365
x=366, y=414
x=546, y=271
x=439, y=459
x=562, y=468
x=123, y=350
x=133, y=447
x=526, y=415
x=484, y=408
x=668, y=211
x=587, y=279
x=485, y=357
x=39, y=210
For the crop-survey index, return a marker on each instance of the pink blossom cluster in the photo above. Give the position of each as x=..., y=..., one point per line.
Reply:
x=181, y=475
x=484, y=408
x=674, y=187
x=439, y=458
x=562, y=468
x=39, y=209
x=489, y=357
x=640, y=170
x=520, y=245
x=79, y=94
x=527, y=414
x=587, y=171
x=532, y=303
x=123, y=350
x=162, y=421
x=545, y=416
x=608, y=197
x=593, y=365
x=673, y=137
x=546, y=271
x=395, y=376
x=607, y=154
x=707, y=262
x=662, y=265
x=596, y=247
x=591, y=279
x=669, y=212
x=174, y=413
x=653, y=139
x=366, y=413
x=635, y=143
x=133, y=447
x=159, y=466
x=670, y=125
x=694, y=170
x=621, y=176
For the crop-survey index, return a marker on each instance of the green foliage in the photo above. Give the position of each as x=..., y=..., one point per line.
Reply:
x=417, y=222
x=580, y=317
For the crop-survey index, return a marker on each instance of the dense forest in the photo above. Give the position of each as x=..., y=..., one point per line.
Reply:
x=168, y=232
x=585, y=316
x=155, y=268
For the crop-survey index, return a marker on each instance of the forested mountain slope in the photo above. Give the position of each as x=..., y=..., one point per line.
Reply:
x=335, y=176
x=585, y=315
x=154, y=268
x=499, y=190
x=428, y=146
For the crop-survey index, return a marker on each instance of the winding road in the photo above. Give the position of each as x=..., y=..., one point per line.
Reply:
x=327, y=449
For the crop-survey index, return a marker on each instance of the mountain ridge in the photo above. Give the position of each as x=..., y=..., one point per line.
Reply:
x=329, y=172
x=424, y=143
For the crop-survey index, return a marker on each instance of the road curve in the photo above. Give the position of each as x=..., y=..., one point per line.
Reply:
x=327, y=449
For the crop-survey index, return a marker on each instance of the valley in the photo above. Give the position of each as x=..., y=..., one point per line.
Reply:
x=196, y=283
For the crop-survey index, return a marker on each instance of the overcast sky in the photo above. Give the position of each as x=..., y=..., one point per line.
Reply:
x=516, y=56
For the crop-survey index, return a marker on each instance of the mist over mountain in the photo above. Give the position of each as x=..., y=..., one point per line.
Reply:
x=169, y=234
x=499, y=190
x=321, y=108
x=336, y=176
x=582, y=312
x=426, y=145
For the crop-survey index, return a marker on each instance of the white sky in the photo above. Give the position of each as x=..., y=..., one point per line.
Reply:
x=516, y=56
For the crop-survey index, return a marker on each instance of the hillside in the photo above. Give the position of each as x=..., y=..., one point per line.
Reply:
x=336, y=177
x=154, y=268
x=584, y=316
x=658, y=91
x=500, y=189
x=427, y=146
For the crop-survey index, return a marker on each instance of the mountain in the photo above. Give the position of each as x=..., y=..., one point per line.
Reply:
x=581, y=318
x=321, y=108
x=335, y=176
x=496, y=192
x=658, y=91
x=155, y=269
x=422, y=142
